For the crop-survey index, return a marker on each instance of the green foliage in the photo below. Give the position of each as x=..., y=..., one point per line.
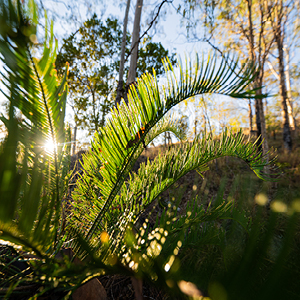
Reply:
x=105, y=227
x=150, y=57
x=31, y=179
x=93, y=53
x=114, y=159
x=235, y=258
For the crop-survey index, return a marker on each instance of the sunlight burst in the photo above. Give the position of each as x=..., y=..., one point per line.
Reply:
x=50, y=145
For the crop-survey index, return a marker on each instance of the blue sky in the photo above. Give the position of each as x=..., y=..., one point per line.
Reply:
x=170, y=30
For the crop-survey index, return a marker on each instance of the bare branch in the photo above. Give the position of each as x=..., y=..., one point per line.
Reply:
x=220, y=51
x=273, y=70
x=149, y=27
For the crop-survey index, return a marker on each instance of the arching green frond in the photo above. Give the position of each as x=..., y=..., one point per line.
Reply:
x=31, y=178
x=87, y=186
x=152, y=179
x=121, y=139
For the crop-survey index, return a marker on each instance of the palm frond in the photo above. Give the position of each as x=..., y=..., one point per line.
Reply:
x=87, y=186
x=33, y=189
x=152, y=179
x=141, y=189
x=129, y=125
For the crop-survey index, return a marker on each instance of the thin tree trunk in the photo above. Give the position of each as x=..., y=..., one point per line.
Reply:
x=250, y=118
x=169, y=138
x=287, y=138
x=265, y=145
x=137, y=283
x=289, y=91
x=103, y=114
x=135, y=46
x=96, y=123
x=74, y=139
x=259, y=109
x=278, y=24
x=120, y=89
x=261, y=124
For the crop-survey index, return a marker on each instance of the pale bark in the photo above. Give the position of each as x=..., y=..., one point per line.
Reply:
x=278, y=23
x=289, y=91
x=287, y=138
x=120, y=89
x=134, y=46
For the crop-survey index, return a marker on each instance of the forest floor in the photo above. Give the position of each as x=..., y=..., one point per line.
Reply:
x=287, y=188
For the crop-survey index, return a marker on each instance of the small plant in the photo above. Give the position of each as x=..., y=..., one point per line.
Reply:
x=104, y=228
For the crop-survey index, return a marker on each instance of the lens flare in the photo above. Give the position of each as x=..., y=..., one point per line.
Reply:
x=50, y=146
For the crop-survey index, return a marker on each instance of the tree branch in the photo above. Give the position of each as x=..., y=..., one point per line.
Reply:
x=273, y=70
x=220, y=51
x=149, y=27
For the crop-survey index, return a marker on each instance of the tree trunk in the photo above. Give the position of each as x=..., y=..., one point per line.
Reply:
x=279, y=35
x=289, y=91
x=134, y=46
x=138, y=288
x=120, y=90
x=265, y=144
x=95, y=115
x=261, y=124
x=74, y=139
x=287, y=138
x=259, y=109
x=278, y=22
x=250, y=117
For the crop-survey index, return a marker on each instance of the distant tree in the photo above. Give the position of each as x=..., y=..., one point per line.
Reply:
x=247, y=33
x=283, y=13
x=93, y=53
x=150, y=56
